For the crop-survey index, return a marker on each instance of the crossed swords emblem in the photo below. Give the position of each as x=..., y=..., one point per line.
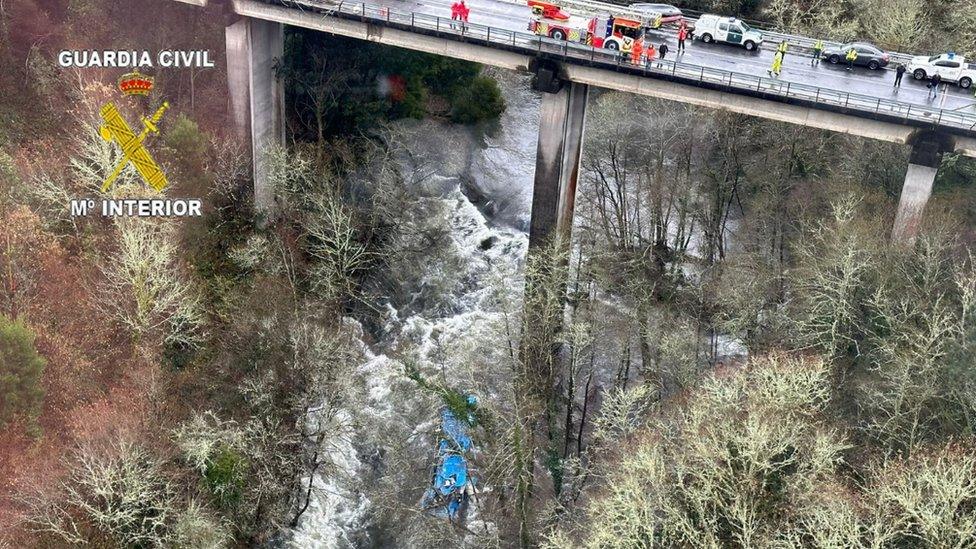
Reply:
x=117, y=130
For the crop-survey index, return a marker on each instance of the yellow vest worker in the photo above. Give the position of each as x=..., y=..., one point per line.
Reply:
x=817, y=52
x=851, y=58
x=777, y=67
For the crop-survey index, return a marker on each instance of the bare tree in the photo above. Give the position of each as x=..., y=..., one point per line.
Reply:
x=143, y=287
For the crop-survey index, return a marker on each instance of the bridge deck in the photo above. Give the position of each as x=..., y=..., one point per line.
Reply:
x=861, y=103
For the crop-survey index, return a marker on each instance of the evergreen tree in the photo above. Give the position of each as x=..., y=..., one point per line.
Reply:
x=21, y=368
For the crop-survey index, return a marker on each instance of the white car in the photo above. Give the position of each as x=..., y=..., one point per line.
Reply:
x=949, y=66
x=715, y=28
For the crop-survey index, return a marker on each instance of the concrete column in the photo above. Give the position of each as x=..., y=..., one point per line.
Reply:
x=915, y=194
x=557, y=163
x=923, y=165
x=256, y=95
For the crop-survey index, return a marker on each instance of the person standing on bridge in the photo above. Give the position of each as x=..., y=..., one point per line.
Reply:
x=777, y=64
x=899, y=72
x=682, y=36
x=663, y=50
x=783, y=46
x=650, y=53
x=636, y=51
x=455, y=13
x=817, y=52
x=464, y=11
x=851, y=58
x=934, y=85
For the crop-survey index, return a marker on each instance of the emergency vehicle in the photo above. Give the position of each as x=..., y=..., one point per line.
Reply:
x=549, y=20
x=613, y=32
x=716, y=28
x=949, y=66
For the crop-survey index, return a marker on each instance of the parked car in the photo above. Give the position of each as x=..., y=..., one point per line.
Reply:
x=949, y=66
x=668, y=13
x=715, y=28
x=868, y=55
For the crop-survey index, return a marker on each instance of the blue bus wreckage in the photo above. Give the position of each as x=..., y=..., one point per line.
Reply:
x=452, y=484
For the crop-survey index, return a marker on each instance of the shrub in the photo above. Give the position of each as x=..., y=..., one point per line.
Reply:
x=223, y=474
x=481, y=100
x=185, y=137
x=21, y=368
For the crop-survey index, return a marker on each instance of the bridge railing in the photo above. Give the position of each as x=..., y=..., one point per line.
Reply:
x=678, y=71
x=772, y=36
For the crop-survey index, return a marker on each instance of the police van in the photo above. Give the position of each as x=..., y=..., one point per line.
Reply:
x=715, y=28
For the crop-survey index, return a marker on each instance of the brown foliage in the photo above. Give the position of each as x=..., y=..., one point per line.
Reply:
x=92, y=383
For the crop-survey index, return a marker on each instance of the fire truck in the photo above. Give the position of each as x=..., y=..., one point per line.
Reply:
x=550, y=20
x=614, y=32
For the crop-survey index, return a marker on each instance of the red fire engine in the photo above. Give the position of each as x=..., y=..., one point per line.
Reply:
x=548, y=10
x=603, y=31
x=550, y=20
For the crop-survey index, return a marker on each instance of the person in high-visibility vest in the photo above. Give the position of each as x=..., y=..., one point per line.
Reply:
x=777, y=64
x=851, y=58
x=817, y=52
x=783, y=46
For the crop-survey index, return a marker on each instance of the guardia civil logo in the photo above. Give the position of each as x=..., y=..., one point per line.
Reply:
x=117, y=130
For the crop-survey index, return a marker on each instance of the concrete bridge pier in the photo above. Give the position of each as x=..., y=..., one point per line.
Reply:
x=558, y=154
x=557, y=168
x=923, y=166
x=256, y=95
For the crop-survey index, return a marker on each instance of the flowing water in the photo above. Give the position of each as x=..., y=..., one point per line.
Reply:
x=485, y=176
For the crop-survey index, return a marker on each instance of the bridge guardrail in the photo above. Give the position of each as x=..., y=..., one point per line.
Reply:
x=773, y=37
x=609, y=59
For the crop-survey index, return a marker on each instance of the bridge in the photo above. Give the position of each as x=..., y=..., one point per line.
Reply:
x=861, y=102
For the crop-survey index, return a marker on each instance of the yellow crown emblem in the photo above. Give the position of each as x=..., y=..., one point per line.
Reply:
x=135, y=83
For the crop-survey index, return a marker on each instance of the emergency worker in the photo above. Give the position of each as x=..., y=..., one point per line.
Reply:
x=636, y=51
x=455, y=13
x=777, y=67
x=817, y=52
x=682, y=36
x=781, y=49
x=463, y=11
x=851, y=58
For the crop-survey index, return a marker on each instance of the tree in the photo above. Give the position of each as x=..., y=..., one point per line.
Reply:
x=962, y=27
x=21, y=368
x=898, y=24
x=143, y=287
x=119, y=492
x=729, y=467
x=832, y=281
x=821, y=18
x=480, y=100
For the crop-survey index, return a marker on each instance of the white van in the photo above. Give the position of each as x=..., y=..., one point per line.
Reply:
x=715, y=28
